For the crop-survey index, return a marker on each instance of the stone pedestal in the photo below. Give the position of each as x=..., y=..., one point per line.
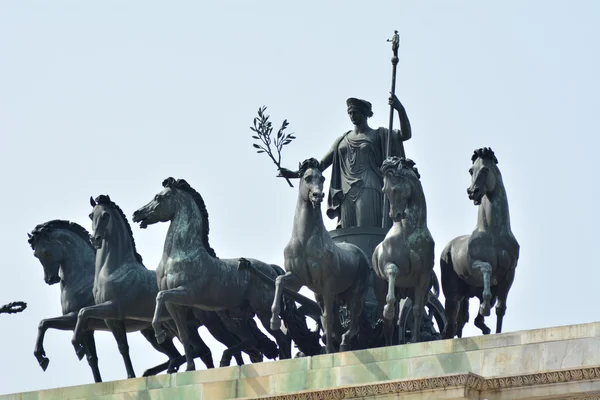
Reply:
x=552, y=363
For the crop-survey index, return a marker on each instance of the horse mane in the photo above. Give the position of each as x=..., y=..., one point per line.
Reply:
x=307, y=164
x=399, y=166
x=105, y=200
x=183, y=185
x=484, y=153
x=50, y=226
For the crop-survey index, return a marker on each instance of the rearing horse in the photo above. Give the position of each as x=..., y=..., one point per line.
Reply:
x=124, y=289
x=404, y=260
x=481, y=264
x=191, y=276
x=66, y=253
x=338, y=274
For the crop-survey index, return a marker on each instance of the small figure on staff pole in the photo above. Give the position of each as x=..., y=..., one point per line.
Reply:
x=395, y=43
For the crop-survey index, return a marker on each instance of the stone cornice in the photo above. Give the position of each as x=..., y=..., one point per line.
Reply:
x=467, y=381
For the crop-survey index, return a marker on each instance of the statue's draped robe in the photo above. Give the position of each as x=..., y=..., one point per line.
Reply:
x=356, y=178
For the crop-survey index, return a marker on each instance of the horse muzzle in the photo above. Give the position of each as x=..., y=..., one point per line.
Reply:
x=316, y=198
x=397, y=216
x=475, y=194
x=52, y=280
x=141, y=217
x=97, y=242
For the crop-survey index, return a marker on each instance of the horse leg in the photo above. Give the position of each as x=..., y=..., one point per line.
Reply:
x=117, y=327
x=463, y=316
x=217, y=328
x=502, y=292
x=167, y=348
x=201, y=350
x=280, y=283
x=380, y=286
x=64, y=323
x=451, y=292
x=486, y=271
x=420, y=295
x=284, y=342
x=328, y=319
x=479, y=322
x=92, y=357
x=102, y=311
x=391, y=271
x=355, y=305
x=180, y=314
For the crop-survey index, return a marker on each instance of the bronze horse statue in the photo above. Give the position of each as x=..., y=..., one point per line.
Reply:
x=66, y=253
x=125, y=290
x=338, y=274
x=404, y=260
x=483, y=263
x=191, y=276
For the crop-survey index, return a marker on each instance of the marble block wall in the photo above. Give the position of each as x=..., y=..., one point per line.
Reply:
x=552, y=363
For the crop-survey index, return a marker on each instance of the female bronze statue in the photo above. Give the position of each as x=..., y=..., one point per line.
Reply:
x=355, y=196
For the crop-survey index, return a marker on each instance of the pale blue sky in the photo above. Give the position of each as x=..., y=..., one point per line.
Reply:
x=112, y=97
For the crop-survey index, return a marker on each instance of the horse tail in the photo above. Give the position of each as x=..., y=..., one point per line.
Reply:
x=306, y=341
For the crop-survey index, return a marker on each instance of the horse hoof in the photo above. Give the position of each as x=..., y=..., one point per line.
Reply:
x=275, y=324
x=486, y=330
x=44, y=363
x=161, y=337
x=190, y=368
x=344, y=347
x=388, y=312
x=485, y=310
x=173, y=368
x=80, y=351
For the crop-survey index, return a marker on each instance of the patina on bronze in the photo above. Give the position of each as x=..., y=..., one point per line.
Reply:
x=201, y=280
x=483, y=263
x=355, y=198
x=66, y=253
x=404, y=260
x=124, y=289
x=338, y=273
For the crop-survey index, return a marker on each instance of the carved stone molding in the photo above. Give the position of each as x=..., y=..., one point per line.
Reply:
x=471, y=381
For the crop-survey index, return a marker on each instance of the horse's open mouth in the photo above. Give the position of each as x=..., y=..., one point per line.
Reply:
x=316, y=199
x=138, y=219
x=476, y=199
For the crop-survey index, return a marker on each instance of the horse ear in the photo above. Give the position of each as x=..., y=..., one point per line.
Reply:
x=92, y=201
x=29, y=235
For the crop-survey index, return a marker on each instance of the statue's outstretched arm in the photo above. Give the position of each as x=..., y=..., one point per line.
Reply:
x=406, y=132
x=327, y=160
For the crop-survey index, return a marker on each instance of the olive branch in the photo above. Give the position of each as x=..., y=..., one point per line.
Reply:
x=263, y=129
x=13, y=308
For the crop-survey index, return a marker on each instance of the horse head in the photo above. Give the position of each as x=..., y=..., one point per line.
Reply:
x=49, y=252
x=484, y=174
x=102, y=220
x=172, y=199
x=397, y=176
x=162, y=207
x=311, y=182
